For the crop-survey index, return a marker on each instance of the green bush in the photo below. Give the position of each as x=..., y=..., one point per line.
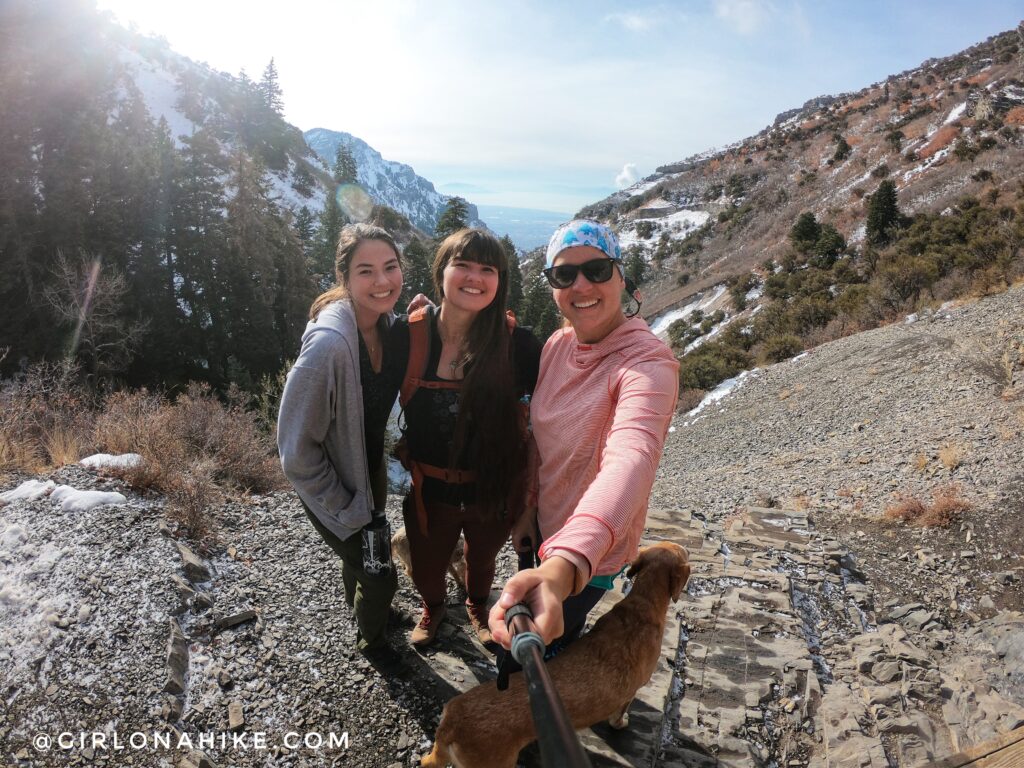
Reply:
x=783, y=347
x=709, y=365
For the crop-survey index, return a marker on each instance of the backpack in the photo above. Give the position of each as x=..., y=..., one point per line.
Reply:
x=414, y=379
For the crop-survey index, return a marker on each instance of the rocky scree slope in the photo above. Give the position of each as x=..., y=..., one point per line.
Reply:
x=833, y=635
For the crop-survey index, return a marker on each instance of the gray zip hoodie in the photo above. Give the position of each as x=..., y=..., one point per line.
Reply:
x=320, y=432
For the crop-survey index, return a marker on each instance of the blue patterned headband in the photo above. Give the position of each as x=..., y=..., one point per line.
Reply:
x=583, y=232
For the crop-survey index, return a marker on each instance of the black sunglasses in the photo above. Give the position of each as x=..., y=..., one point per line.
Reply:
x=596, y=271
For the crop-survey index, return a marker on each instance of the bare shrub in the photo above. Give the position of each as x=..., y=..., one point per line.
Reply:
x=989, y=281
x=229, y=437
x=172, y=437
x=947, y=505
x=907, y=509
x=189, y=496
x=952, y=286
x=267, y=400
x=689, y=399
x=124, y=423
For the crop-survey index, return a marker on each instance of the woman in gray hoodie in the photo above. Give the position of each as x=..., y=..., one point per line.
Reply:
x=334, y=411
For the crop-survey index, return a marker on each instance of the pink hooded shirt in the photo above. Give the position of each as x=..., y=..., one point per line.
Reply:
x=600, y=415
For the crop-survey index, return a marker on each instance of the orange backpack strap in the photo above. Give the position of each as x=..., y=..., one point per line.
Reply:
x=419, y=354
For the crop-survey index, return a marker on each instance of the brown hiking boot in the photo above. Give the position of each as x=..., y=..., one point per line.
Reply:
x=478, y=613
x=425, y=632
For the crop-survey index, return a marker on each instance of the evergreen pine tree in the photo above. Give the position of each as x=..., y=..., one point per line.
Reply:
x=884, y=215
x=828, y=246
x=805, y=232
x=263, y=282
x=345, y=170
x=270, y=90
x=197, y=242
x=515, y=277
x=416, y=271
x=539, y=310
x=454, y=217
x=843, y=149
x=305, y=231
x=159, y=358
x=635, y=265
x=332, y=220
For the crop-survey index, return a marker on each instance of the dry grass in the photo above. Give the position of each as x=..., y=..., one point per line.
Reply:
x=65, y=445
x=123, y=424
x=193, y=448
x=947, y=506
x=44, y=417
x=920, y=462
x=941, y=139
x=951, y=456
x=785, y=394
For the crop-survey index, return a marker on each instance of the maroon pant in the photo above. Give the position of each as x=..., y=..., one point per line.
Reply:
x=430, y=554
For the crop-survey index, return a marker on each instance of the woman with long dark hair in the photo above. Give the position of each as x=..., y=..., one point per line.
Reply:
x=464, y=430
x=334, y=411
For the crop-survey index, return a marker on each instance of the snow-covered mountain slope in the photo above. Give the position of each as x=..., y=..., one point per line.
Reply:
x=158, y=73
x=391, y=183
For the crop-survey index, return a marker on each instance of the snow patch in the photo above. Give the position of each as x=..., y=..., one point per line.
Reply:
x=28, y=491
x=955, y=114
x=160, y=92
x=718, y=393
x=935, y=159
x=73, y=500
x=660, y=324
x=110, y=461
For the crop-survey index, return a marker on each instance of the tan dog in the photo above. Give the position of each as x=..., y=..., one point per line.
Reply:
x=596, y=677
x=456, y=567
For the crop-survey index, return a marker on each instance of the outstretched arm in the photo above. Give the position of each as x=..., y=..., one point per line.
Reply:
x=543, y=590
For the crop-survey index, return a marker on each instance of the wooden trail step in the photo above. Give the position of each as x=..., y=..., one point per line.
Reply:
x=1007, y=751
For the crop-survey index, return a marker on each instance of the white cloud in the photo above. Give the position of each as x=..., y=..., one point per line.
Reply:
x=627, y=176
x=634, y=22
x=800, y=22
x=745, y=16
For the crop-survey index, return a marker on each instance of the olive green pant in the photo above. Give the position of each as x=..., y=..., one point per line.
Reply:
x=369, y=596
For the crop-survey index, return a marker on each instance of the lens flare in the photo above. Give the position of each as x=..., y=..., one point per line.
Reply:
x=85, y=305
x=354, y=201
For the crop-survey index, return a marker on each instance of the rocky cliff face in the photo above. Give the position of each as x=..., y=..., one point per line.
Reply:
x=393, y=184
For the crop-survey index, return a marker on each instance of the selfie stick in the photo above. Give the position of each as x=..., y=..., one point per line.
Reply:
x=559, y=745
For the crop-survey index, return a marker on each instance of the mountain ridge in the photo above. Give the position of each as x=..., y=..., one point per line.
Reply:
x=390, y=182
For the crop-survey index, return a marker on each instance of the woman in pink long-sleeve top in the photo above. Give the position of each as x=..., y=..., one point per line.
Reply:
x=600, y=414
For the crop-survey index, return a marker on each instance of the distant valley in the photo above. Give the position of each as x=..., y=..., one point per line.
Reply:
x=529, y=228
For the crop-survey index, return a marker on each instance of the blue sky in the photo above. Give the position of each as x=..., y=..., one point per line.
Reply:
x=551, y=105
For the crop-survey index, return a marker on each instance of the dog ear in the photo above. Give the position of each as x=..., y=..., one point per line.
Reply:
x=678, y=577
x=636, y=565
